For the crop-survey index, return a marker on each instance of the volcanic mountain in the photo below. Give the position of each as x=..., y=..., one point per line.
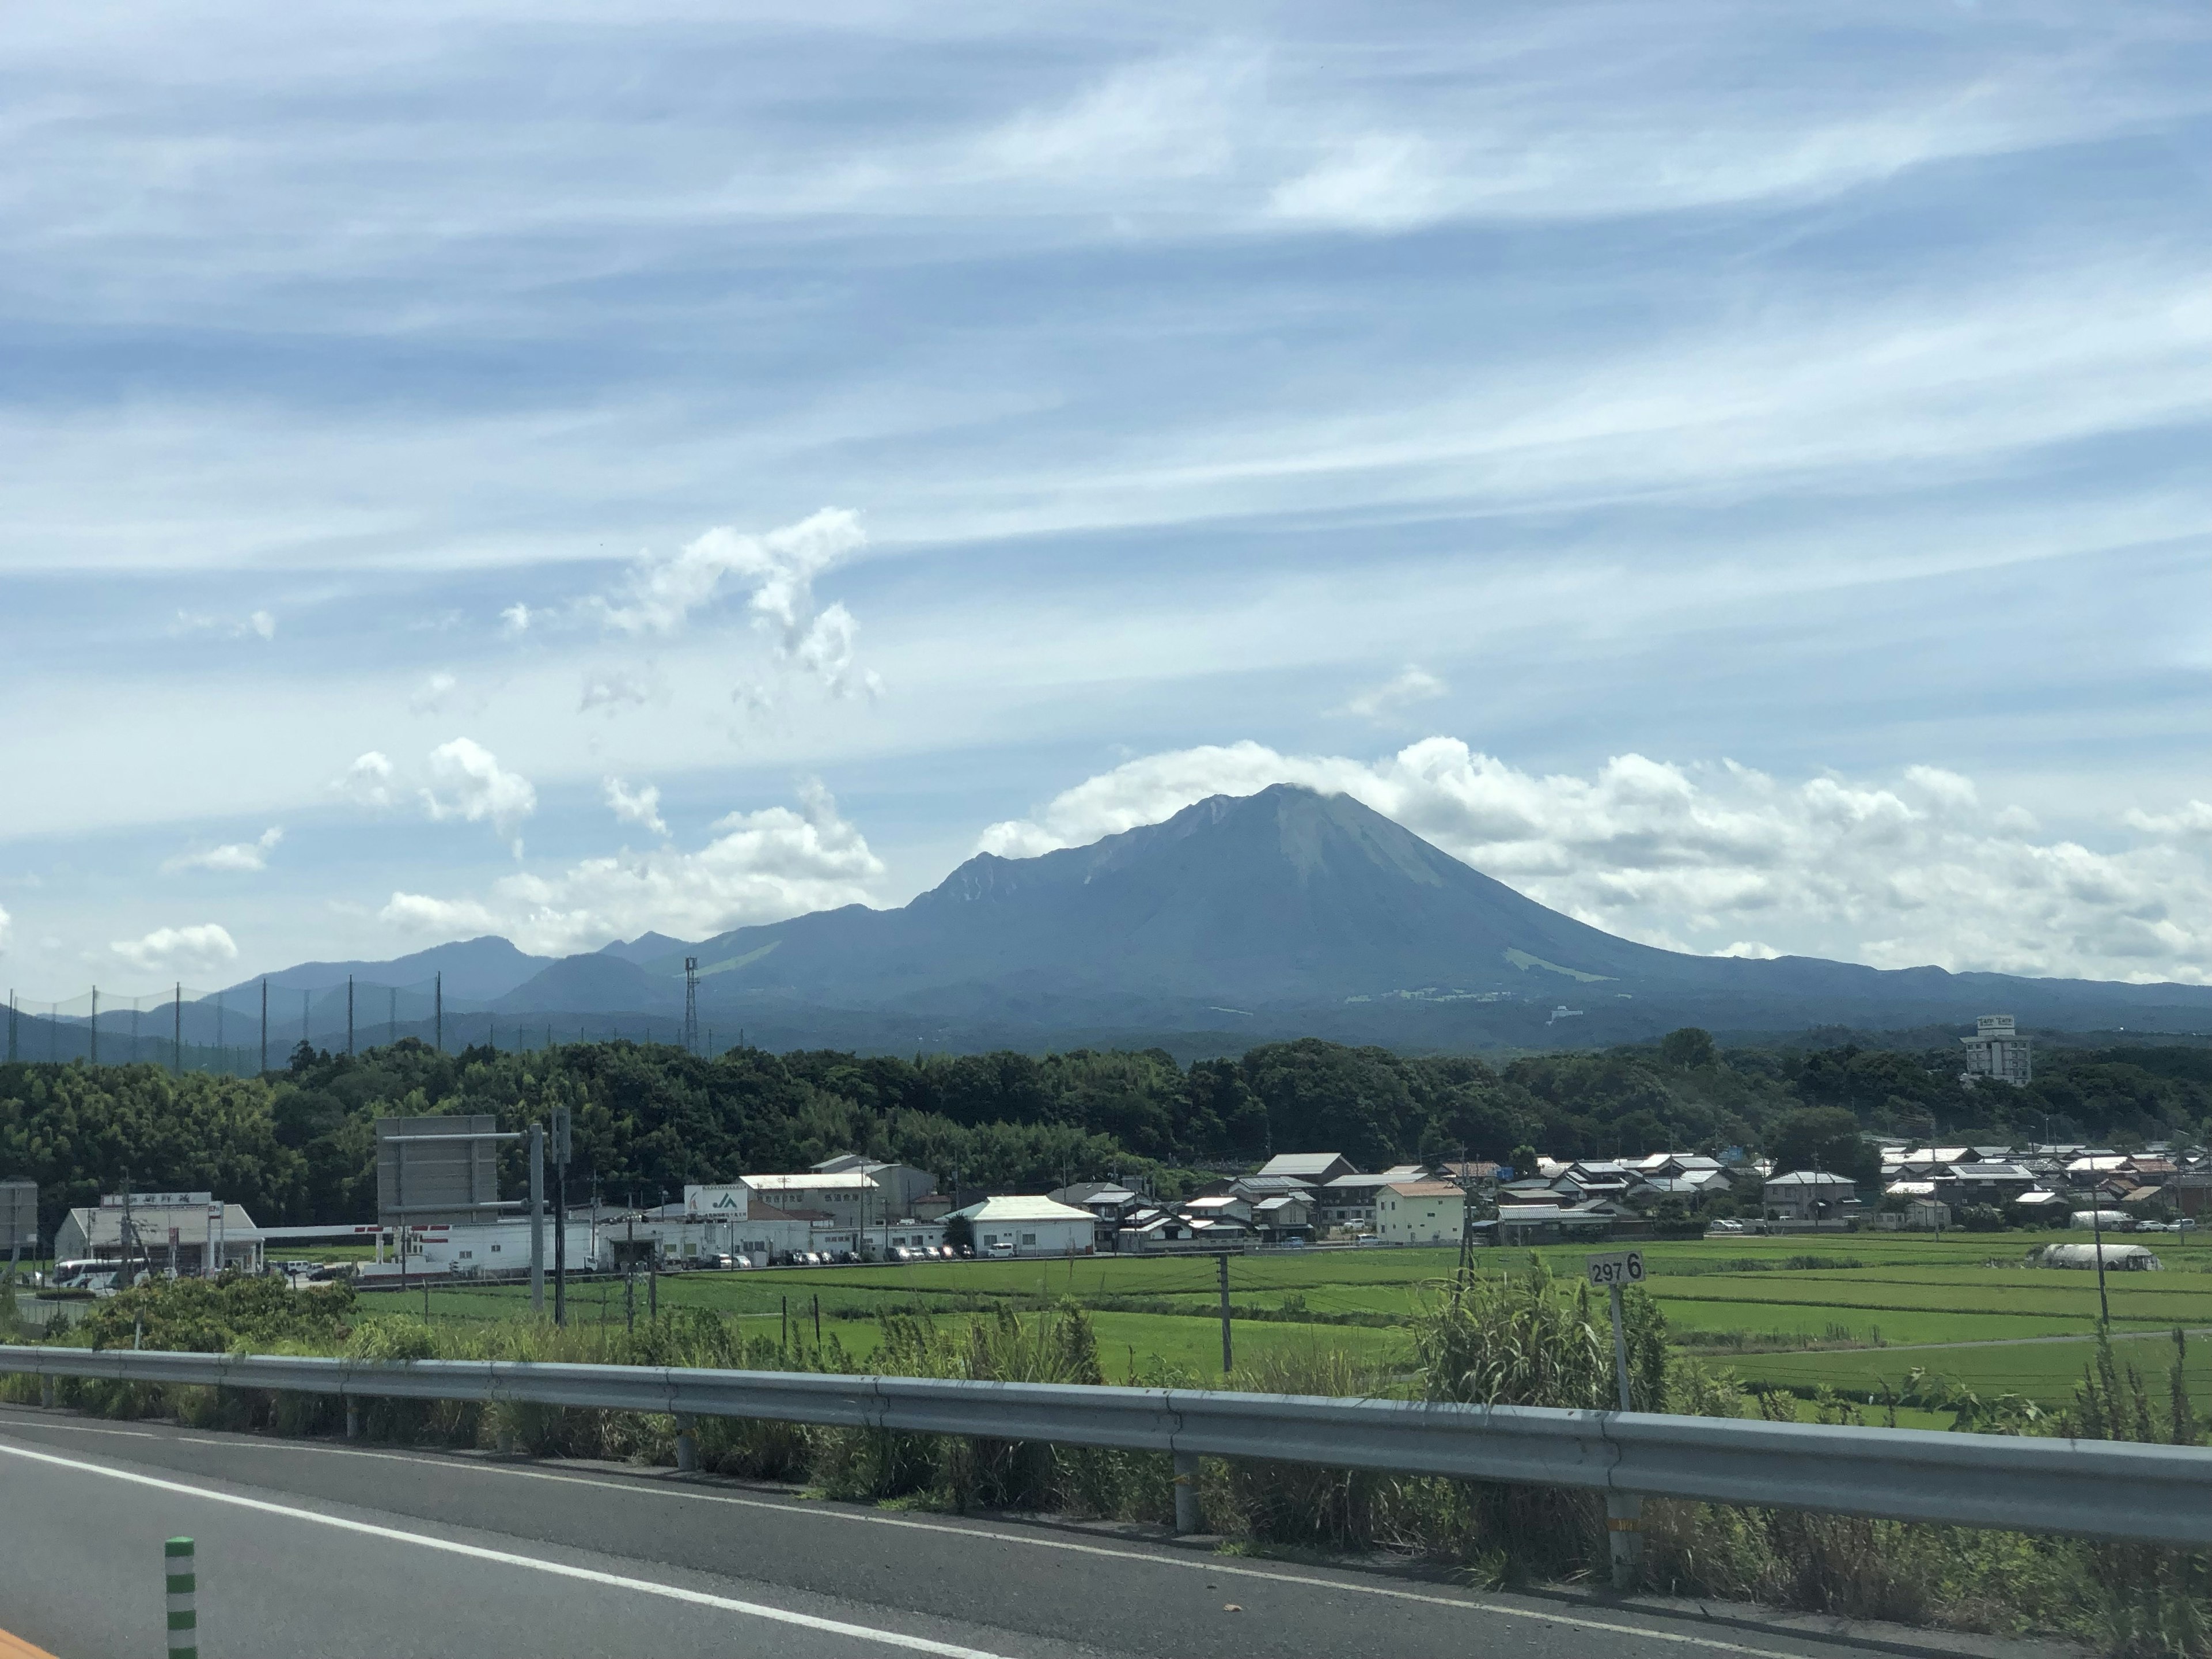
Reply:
x=1283, y=912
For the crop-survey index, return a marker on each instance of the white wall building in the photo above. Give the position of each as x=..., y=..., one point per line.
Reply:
x=188, y=1234
x=1029, y=1226
x=1420, y=1213
x=1998, y=1049
x=851, y=1198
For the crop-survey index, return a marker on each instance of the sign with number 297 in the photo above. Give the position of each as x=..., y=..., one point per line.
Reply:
x=1621, y=1267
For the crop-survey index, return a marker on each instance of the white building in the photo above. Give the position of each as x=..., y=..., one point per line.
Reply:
x=473, y=1249
x=1997, y=1049
x=188, y=1234
x=850, y=1198
x=1420, y=1213
x=905, y=1185
x=1029, y=1226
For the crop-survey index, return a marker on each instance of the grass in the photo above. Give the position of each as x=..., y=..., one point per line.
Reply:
x=1844, y=1312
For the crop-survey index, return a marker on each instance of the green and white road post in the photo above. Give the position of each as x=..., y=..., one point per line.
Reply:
x=184, y=1599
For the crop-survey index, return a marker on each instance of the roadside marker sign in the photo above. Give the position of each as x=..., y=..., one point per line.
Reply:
x=1621, y=1267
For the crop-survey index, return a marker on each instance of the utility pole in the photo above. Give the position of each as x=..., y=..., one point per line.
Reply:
x=391, y=1015
x=177, y=1033
x=690, y=1005
x=11, y=1026
x=2097, y=1227
x=349, y=1016
x=265, y=1021
x=439, y=994
x=1227, y=1356
x=95, y=1025
x=307, y=1015
x=538, y=1219
x=561, y=1128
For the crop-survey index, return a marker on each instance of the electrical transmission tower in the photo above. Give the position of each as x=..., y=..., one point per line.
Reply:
x=691, y=1005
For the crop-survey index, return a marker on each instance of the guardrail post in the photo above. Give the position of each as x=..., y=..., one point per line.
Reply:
x=183, y=1585
x=47, y=1392
x=1186, y=1518
x=353, y=1418
x=687, y=1445
x=1624, y=1531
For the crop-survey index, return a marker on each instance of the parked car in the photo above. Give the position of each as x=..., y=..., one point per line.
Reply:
x=1725, y=1225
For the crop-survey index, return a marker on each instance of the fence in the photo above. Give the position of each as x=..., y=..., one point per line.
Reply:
x=243, y=1029
x=2094, y=1489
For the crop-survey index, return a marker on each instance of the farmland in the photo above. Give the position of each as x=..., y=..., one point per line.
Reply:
x=1852, y=1311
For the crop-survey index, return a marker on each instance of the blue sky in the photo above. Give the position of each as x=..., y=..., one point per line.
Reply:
x=1735, y=471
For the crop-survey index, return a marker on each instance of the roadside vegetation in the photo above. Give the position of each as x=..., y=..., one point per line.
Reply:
x=1517, y=1338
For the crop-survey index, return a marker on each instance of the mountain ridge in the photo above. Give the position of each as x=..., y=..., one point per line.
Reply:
x=1289, y=912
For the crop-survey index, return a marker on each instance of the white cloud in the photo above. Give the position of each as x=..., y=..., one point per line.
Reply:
x=615, y=688
x=435, y=695
x=179, y=950
x=1411, y=685
x=760, y=867
x=368, y=782
x=237, y=855
x=2194, y=819
x=261, y=624
x=515, y=619
x=639, y=806
x=778, y=569
x=1894, y=877
x=477, y=787
x=445, y=918
x=7, y=922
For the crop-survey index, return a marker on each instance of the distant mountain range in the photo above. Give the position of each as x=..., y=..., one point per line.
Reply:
x=1238, y=920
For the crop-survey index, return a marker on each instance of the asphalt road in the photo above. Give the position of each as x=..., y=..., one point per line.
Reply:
x=309, y=1548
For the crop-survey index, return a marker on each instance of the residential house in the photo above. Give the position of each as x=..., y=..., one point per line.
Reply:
x=1224, y=1206
x=1314, y=1169
x=1109, y=1201
x=1811, y=1195
x=1520, y=1224
x=1420, y=1213
x=1348, y=1200
x=1287, y=1216
x=1594, y=1178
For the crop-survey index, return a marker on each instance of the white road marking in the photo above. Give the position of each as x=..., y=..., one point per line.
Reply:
x=1200, y=1563
x=506, y=1557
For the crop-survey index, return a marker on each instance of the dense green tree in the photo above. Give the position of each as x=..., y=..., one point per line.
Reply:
x=1688, y=1049
x=1824, y=1137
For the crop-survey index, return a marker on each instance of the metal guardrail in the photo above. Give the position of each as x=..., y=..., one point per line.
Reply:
x=2108, y=1490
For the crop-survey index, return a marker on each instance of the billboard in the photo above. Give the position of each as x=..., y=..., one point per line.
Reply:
x=19, y=1215
x=435, y=1169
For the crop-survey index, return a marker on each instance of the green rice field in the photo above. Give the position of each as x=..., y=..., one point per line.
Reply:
x=1850, y=1312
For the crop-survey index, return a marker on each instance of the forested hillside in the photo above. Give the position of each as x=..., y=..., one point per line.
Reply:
x=295, y=1146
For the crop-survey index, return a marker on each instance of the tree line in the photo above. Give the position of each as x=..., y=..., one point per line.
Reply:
x=297, y=1146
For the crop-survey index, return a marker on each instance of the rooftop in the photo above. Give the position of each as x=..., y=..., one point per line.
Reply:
x=1020, y=1208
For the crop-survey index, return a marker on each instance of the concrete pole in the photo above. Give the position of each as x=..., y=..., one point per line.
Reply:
x=1186, y=1518
x=1624, y=1511
x=687, y=1445
x=538, y=1219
